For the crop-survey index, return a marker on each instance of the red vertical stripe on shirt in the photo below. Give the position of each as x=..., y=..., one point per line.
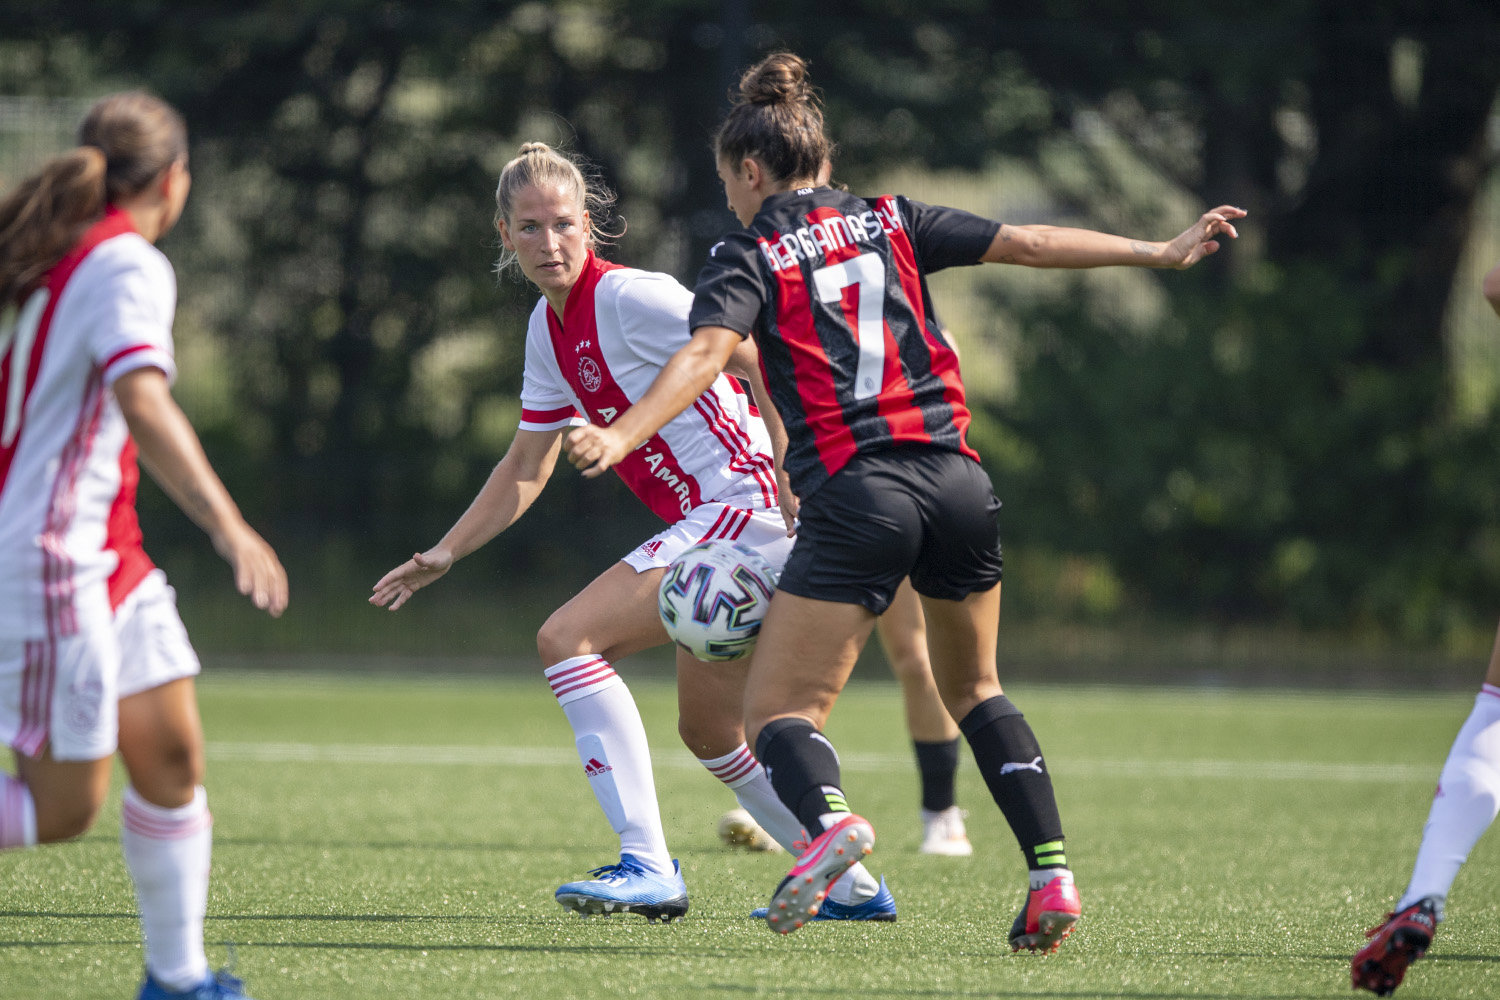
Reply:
x=944, y=358
x=812, y=371
x=123, y=531
x=575, y=343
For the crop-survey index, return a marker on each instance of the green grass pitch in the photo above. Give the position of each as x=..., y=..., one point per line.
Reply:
x=401, y=838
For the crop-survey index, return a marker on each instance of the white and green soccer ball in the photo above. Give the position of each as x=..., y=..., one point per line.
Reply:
x=713, y=598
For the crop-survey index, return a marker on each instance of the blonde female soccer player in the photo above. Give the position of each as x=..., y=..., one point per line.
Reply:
x=93, y=656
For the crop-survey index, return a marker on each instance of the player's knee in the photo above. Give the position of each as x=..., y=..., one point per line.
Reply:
x=960, y=695
x=709, y=739
x=179, y=768
x=908, y=665
x=65, y=818
x=557, y=639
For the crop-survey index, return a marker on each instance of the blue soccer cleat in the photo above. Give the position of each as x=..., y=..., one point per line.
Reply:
x=628, y=887
x=881, y=906
x=216, y=986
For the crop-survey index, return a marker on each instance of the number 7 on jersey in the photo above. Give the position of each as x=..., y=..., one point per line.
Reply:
x=867, y=273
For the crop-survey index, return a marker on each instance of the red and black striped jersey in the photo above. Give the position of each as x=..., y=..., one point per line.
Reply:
x=833, y=288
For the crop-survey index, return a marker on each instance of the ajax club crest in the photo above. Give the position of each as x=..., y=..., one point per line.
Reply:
x=589, y=374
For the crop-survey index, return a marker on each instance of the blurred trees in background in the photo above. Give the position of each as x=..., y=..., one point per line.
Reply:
x=1272, y=436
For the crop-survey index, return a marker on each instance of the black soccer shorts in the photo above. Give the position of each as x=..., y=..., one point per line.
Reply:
x=915, y=511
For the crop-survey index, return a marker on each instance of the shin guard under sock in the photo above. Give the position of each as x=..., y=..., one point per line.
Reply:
x=1011, y=763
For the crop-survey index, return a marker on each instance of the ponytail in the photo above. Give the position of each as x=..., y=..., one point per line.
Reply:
x=45, y=215
x=125, y=143
x=776, y=118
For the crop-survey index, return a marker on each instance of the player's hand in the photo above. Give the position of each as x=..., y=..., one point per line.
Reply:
x=595, y=449
x=1200, y=240
x=258, y=573
x=791, y=505
x=396, y=587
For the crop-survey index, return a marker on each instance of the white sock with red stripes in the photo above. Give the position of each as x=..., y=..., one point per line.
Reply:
x=611, y=743
x=748, y=780
x=167, y=852
x=1464, y=806
x=17, y=813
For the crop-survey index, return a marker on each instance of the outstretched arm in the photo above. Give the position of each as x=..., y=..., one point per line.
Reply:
x=683, y=379
x=171, y=452
x=1491, y=288
x=505, y=496
x=1054, y=246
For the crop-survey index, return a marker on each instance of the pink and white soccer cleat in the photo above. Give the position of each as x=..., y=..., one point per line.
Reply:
x=834, y=851
x=1048, y=917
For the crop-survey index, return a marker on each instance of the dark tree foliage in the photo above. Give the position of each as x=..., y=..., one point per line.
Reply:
x=1281, y=443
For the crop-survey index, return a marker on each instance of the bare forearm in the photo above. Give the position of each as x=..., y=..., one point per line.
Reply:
x=1056, y=246
x=499, y=504
x=513, y=485
x=683, y=379
x=172, y=454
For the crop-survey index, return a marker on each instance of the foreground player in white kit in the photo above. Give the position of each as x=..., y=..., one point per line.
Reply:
x=93, y=655
x=596, y=342
x=1465, y=804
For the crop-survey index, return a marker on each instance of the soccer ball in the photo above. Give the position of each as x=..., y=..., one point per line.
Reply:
x=737, y=828
x=713, y=597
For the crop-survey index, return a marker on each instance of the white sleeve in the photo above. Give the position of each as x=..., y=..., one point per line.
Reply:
x=128, y=296
x=546, y=403
x=652, y=310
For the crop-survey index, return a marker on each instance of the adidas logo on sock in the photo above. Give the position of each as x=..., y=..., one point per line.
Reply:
x=594, y=767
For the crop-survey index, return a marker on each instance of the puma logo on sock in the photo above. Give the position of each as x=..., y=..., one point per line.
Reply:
x=1035, y=765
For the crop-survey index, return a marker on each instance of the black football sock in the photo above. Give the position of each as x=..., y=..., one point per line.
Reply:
x=804, y=770
x=937, y=763
x=1011, y=762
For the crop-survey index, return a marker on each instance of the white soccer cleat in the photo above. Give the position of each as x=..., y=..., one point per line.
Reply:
x=943, y=833
x=738, y=828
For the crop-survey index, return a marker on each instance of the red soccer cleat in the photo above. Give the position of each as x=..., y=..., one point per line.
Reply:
x=1403, y=938
x=1048, y=917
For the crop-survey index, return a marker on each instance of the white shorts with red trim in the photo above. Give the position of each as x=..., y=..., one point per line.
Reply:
x=761, y=529
x=64, y=692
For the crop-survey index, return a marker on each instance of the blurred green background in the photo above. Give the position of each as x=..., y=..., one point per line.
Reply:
x=1280, y=465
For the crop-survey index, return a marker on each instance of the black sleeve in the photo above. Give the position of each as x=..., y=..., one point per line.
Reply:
x=946, y=237
x=731, y=288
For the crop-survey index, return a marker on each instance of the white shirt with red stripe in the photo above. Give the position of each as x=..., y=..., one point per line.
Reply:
x=620, y=326
x=70, y=544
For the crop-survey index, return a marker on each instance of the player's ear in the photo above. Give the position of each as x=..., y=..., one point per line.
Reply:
x=504, y=234
x=751, y=170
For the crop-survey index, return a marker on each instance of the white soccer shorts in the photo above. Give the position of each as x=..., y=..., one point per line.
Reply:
x=65, y=692
x=762, y=530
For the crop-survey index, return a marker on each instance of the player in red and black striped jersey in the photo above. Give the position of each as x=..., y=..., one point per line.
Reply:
x=833, y=289
x=816, y=265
